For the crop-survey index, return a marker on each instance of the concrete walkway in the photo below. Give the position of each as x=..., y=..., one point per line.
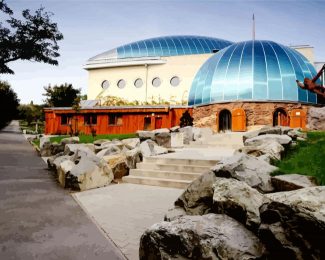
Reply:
x=124, y=211
x=38, y=219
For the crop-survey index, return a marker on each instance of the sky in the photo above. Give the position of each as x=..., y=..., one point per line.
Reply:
x=95, y=26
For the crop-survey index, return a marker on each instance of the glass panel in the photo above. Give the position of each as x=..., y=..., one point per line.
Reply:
x=198, y=45
x=127, y=51
x=164, y=47
x=210, y=44
x=120, y=52
x=135, y=50
x=142, y=48
x=157, y=47
x=231, y=89
x=246, y=75
x=191, y=96
x=290, y=91
x=193, y=49
x=260, y=76
x=178, y=45
x=302, y=93
x=273, y=73
x=186, y=46
x=206, y=91
x=172, y=47
x=204, y=45
x=200, y=84
x=151, y=48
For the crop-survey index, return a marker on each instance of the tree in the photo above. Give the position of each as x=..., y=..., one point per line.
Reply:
x=31, y=113
x=33, y=38
x=186, y=119
x=8, y=103
x=61, y=96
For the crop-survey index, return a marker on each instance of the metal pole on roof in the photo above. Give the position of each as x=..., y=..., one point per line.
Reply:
x=253, y=27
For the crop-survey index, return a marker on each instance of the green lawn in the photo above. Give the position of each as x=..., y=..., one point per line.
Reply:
x=307, y=158
x=90, y=138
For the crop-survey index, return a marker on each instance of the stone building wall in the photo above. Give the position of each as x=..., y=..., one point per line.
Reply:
x=257, y=113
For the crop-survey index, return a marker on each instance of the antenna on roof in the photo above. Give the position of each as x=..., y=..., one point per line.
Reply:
x=253, y=27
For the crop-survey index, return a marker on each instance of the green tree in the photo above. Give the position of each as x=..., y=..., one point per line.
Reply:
x=61, y=96
x=186, y=119
x=8, y=103
x=34, y=37
x=31, y=113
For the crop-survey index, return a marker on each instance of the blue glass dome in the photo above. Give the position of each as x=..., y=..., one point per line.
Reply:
x=253, y=70
x=166, y=46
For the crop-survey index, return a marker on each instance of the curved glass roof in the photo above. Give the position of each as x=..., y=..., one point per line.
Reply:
x=253, y=70
x=166, y=46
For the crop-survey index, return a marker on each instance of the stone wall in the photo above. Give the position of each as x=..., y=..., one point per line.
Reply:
x=257, y=113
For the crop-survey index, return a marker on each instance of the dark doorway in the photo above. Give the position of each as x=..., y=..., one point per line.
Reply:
x=224, y=120
x=280, y=117
x=147, y=123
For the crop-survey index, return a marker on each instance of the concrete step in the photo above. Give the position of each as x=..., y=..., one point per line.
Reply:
x=188, y=176
x=180, y=184
x=173, y=167
x=163, y=160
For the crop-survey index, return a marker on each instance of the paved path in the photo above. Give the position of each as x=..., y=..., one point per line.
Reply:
x=124, y=211
x=38, y=219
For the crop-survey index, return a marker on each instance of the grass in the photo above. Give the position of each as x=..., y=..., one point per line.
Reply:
x=306, y=158
x=90, y=138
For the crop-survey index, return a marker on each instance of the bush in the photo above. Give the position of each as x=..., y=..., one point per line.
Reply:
x=8, y=104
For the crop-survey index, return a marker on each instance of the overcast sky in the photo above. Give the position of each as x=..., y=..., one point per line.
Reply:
x=92, y=27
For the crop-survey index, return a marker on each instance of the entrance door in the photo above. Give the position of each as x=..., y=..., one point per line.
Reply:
x=147, y=123
x=298, y=118
x=158, y=122
x=224, y=120
x=238, y=120
x=280, y=117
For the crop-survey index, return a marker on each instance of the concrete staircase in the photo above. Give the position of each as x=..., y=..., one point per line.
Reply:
x=232, y=140
x=168, y=172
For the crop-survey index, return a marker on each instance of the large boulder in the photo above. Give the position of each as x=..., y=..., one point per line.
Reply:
x=163, y=139
x=58, y=160
x=99, y=142
x=272, y=150
x=118, y=164
x=197, y=199
x=250, y=134
x=200, y=237
x=145, y=135
x=293, y=224
x=161, y=130
x=316, y=118
x=109, y=150
x=275, y=130
x=290, y=182
x=150, y=148
x=237, y=200
x=174, y=129
x=252, y=170
x=295, y=134
x=63, y=169
x=42, y=140
x=131, y=143
x=89, y=172
x=202, y=134
x=258, y=140
x=57, y=148
x=70, y=149
x=45, y=149
x=188, y=134
x=50, y=160
x=70, y=140
x=133, y=157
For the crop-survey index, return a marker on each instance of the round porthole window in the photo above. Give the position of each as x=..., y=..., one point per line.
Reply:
x=105, y=84
x=138, y=83
x=174, y=81
x=156, y=82
x=121, y=83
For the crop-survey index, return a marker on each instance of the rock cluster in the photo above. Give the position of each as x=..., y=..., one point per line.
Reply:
x=316, y=118
x=238, y=211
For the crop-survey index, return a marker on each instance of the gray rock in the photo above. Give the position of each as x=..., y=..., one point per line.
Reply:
x=202, y=134
x=276, y=130
x=174, y=129
x=200, y=237
x=258, y=140
x=188, y=134
x=295, y=134
x=43, y=140
x=161, y=130
x=293, y=224
x=131, y=143
x=163, y=139
x=177, y=140
x=253, y=171
x=272, y=150
x=316, y=118
x=238, y=200
x=290, y=182
x=197, y=198
x=133, y=157
x=70, y=149
x=99, y=142
x=45, y=149
x=63, y=170
x=51, y=159
x=70, y=140
x=88, y=173
x=109, y=150
x=250, y=135
x=150, y=148
x=285, y=129
x=58, y=160
x=118, y=164
x=145, y=135
x=56, y=148
x=174, y=213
